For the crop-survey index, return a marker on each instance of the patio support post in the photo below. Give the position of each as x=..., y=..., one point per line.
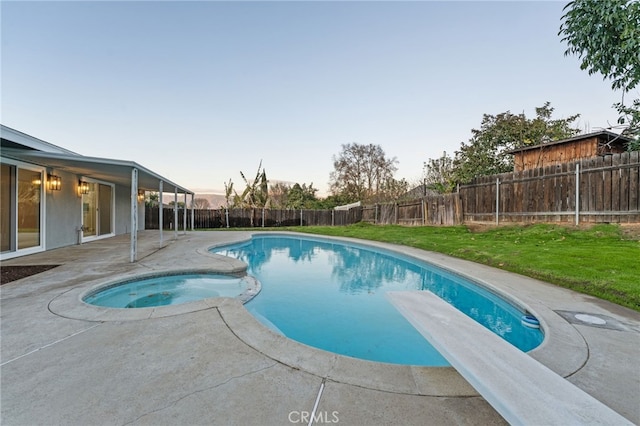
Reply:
x=192, y=210
x=184, y=219
x=160, y=212
x=134, y=214
x=175, y=213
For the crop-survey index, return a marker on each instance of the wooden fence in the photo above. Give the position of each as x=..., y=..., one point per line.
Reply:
x=431, y=210
x=599, y=189
x=246, y=218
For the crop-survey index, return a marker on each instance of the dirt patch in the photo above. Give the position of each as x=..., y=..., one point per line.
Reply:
x=12, y=273
x=631, y=230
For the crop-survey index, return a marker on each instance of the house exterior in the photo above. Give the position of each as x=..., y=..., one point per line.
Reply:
x=562, y=151
x=51, y=197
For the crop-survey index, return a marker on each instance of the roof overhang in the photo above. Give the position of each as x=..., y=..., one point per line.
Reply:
x=105, y=169
x=604, y=134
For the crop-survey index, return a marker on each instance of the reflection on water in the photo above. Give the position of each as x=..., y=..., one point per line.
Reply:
x=154, y=299
x=330, y=295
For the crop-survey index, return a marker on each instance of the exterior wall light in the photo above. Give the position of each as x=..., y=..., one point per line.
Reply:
x=54, y=183
x=140, y=195
x=83, y=187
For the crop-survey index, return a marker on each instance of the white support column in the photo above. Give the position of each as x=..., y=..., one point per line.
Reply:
x=184, y=219
x=175, y=214
x=134, y=215
x=160, y=213
x=192, y=210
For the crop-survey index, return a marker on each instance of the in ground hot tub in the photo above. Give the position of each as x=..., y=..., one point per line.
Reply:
x=171, y=289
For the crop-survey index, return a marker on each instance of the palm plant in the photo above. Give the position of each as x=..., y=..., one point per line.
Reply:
x=256, y=193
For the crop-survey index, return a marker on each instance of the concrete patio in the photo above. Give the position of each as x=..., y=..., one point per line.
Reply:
x=211, y=362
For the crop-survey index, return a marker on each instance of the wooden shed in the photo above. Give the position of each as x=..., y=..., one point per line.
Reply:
x=565, y=150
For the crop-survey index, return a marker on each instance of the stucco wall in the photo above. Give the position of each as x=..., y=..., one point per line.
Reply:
x=123, y=211
x=63, y=213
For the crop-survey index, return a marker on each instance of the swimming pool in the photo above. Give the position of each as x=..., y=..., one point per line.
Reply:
x=330, y=295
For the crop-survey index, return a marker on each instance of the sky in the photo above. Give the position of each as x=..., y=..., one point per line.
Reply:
x=199, y=91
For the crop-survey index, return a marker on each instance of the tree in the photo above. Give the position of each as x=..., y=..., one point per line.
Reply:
x=152, y=199
x=391, y=190
x=201, y=204
x=329, y=202
x=605, y=35
x=301, y=196
x=284, y=196
x=228, y=192
x=361, y=172
x=486, y=153
x=278, y=195
x=438, y=174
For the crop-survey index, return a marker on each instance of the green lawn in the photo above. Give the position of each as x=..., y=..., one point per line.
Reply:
x=600, y=261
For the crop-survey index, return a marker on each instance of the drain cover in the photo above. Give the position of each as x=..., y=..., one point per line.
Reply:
x=593, y=320
x=590, y=319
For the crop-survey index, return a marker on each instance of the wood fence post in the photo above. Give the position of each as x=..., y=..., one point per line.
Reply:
x=577, y=193
x=497, y=201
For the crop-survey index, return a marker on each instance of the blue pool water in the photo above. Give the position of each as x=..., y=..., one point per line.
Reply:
x=330, y=295
x=167, y=290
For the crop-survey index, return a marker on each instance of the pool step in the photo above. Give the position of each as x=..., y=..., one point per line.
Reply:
x=522, y=390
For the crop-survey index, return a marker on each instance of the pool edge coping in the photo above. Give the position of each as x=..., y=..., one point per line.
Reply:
x=404, y=379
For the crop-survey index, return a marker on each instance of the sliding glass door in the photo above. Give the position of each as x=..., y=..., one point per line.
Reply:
x=7, y=207
x=21, y=208
x=97, y=211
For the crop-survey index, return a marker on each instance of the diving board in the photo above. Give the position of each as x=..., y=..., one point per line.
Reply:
x=522, y=390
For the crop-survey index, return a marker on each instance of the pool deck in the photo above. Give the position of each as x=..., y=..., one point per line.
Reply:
x=211, y=362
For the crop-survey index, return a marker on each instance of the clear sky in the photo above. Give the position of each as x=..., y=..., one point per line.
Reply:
x=199, y=91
